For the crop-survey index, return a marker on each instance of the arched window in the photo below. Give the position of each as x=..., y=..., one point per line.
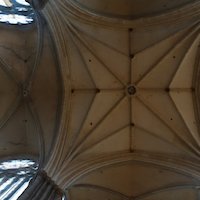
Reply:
x=16, y=12
x=15, y=176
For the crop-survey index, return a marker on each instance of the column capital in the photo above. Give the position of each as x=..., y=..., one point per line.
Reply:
x=42, y=187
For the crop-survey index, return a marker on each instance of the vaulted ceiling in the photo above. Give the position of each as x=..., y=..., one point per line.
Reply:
x=128, y=75
x=30, y=91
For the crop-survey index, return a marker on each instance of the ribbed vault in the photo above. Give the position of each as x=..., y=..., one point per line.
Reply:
x=129, y=126
x=128, y=8
x=30, y=91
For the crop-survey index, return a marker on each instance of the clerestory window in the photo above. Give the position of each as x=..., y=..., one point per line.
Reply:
x=17, y=12
x=15, y=176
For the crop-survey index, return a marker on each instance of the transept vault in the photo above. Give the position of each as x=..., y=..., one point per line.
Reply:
x=108, y=93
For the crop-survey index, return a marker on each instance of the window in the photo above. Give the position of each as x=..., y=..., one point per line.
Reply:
x=15, y=176
x=16, y=12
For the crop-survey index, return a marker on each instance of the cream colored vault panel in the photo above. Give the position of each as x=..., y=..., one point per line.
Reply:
x=129, y=181
x=130, y=123
x=120, y=98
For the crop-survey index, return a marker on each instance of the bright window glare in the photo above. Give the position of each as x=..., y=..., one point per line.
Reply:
x=11, y=189
x=23, y=2
x=5, y=3
x=4, y=185
x=21, y=9
x=1, y=180
x=15, y=177
x=16, y=12
x=15, y=164
x=20, y=191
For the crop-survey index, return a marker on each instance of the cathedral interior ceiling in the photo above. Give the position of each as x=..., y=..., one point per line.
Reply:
x=128, y=8
x=129, y=126
x=29, y=92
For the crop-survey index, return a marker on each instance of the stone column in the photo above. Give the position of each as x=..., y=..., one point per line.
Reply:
x=42, y=188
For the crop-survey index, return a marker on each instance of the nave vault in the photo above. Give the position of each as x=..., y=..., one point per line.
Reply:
x=105, y=95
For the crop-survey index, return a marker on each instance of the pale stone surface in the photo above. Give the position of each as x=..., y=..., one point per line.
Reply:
x=129, y=79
